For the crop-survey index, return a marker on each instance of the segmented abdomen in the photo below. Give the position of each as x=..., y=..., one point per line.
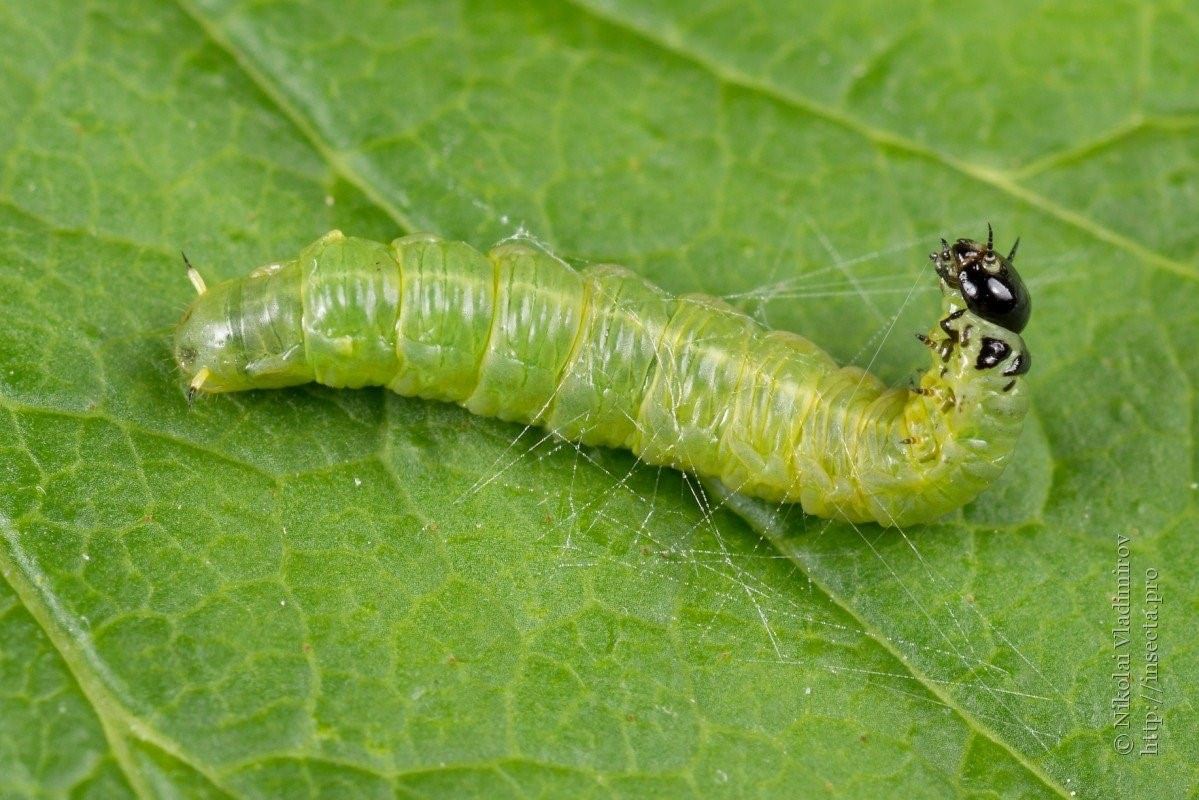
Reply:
x=602, y=356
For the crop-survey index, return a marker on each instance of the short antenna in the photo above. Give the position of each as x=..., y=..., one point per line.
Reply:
x=193, y=275
x=1012, y=255
x=197, y=383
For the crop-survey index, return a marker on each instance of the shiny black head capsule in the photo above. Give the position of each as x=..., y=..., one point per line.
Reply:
x=987, y=281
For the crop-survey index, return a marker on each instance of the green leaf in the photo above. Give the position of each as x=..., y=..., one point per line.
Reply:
x=352, y=593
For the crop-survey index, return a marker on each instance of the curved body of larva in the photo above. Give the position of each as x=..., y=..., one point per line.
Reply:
x=604, y=357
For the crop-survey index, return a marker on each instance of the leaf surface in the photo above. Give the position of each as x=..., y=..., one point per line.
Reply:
x=352, y=593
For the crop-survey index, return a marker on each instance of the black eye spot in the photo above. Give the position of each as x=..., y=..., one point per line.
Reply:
x=187, y=353
x=993, y=352
x=998, y=296
x=1000, y=291
x=1020, y=364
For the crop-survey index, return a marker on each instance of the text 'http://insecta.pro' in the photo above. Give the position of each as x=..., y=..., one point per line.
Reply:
x=603, y=357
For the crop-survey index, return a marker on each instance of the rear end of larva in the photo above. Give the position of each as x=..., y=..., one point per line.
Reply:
x=603, y=357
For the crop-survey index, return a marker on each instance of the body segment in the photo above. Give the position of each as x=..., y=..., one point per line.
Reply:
x=604, y=357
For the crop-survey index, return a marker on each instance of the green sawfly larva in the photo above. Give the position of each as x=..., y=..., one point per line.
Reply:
x=603, y=357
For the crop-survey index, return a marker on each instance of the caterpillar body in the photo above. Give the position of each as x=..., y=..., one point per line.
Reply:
x=603, y=357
